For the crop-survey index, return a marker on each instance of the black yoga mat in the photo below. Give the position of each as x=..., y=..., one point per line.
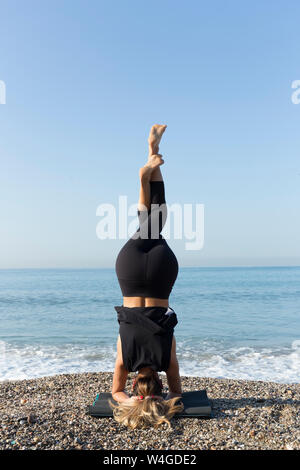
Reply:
x=196, y=404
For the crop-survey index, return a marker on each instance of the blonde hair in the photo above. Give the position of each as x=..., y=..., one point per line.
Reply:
x=149, y=410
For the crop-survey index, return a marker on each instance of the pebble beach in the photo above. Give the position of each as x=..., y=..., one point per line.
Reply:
x=50, y=413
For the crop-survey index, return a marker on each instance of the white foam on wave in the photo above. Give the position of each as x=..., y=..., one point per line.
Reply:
x=280, y=365
x=32, y=361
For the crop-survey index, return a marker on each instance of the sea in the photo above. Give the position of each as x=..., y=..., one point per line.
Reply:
x=233, y=322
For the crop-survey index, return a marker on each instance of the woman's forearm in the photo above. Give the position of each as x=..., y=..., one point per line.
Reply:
x=173, y=378
x=172, y=395
x=174, y=383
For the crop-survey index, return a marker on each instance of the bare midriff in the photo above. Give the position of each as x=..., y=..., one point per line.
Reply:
x=145, y=302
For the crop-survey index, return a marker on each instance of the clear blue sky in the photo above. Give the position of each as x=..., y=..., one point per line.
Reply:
x=85, y=81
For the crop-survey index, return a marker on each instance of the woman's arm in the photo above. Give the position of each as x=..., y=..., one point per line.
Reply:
x=173, y=376
x=120, y=376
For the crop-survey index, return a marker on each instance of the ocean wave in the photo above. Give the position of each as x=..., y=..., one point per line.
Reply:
x=281, y=364
x=276, y=364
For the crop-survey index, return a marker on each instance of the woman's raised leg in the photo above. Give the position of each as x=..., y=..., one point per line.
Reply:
x=148, y=173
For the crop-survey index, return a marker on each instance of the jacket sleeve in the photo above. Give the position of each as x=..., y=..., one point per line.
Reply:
x=166, y=322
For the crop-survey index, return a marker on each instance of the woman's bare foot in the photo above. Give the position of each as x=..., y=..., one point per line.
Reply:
x=154, y=161
x=155, y=136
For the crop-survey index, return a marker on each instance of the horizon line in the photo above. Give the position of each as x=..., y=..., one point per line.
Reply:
x=197, y=267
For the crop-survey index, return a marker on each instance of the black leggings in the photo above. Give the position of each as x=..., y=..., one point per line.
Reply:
x=146, y=266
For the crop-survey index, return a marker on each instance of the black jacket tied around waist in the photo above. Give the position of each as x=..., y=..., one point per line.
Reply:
x=146, y=336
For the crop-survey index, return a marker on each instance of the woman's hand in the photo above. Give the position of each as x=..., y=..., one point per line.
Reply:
x=120, y=396
x=132, y=399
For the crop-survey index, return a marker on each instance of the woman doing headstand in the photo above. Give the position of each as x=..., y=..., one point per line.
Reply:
x=147, y=268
